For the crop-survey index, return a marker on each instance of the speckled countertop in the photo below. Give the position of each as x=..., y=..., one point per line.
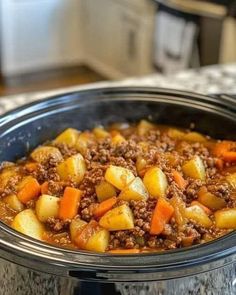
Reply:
x=206, y=80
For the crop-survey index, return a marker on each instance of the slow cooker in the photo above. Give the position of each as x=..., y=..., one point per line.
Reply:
x=31, y=267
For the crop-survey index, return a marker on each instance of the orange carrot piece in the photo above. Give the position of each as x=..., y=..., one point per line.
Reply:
x=222, y=147
x=178, y=178
x=86, y=233
x=229, y=156
x=219, y=164
x=31, y=167
x=30, y=189
x=161, y=215
x=44, y=188
x=104, y=206
x=207, y=210
x=124, y=251
x=69, y=203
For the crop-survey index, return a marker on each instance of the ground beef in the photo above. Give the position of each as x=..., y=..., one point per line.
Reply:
x=56, y=224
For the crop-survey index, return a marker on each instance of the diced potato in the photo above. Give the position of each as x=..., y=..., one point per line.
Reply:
x=155, y=182
x=198, y=215
x=226, y=218
x=47, y=206
x=117, y=139
x=176, y=133
x=194, y=136
x=99, y=241
x=69, y=137
x=14, y=203
x=119, y=218
x=211, y=201
x=43, y=153
x=100, y=133
x=76, y=226
x=6, y=174
x=27, y=223
x=144, y=126
x=85, y=139
x=105, y=190
x=141, y=164
x=135, y=190
x=72, y=168
x=231, y=179
x=194, y=168
x=119, y=176
x=179, y=213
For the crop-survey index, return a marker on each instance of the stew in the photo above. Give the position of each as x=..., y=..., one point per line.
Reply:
x=124, y=189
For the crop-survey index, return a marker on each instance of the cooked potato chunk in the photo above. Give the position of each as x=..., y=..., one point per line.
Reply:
x=194, y=168
x=105, y=190
x=27, y=223
x=43, y=153
x=231, y=179
x=144, y=126
x=72, y=168
x=194, y=136
x=69, y=137
x=100, y=133
x=47, y=206
x=14, y=203
x=99, y=241
x=119, y=176
x=211, y=201
x=117, y=139
x=119, y=218
x=6, y=174
x=179, y=213
x=155, y=182
x=135, y=190
x=85, y=139
x=198, y=215
x=141, y=164
x=226, y=218
x=176, y=133
x=76, y=226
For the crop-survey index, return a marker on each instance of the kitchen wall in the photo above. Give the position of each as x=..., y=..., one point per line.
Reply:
x=39, y=34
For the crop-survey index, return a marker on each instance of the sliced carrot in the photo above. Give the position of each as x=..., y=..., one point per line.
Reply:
x=229, y=156
x=124, y=251
x=31, y=167
x=225, y=150
x=29, y=189
x=161, y=215
x=207, y=210
x=44, y=188
x=87, y=232
x=222, y=147
x=104, y=206
x=178, y=178
x=69, y=203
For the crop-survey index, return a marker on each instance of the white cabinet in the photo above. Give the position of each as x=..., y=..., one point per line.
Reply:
x=39, y=34
x=118, y=36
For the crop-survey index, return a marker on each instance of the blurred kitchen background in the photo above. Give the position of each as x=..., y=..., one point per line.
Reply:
x=46, y=44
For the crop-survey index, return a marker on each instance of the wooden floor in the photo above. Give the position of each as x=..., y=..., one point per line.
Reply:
x=48, y=80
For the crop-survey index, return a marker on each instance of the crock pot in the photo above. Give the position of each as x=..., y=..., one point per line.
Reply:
x=29, y=266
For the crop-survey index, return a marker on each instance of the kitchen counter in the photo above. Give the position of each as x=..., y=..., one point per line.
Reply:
x=207, y=80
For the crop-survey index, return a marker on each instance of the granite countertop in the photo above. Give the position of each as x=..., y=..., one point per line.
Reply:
x=206, y=80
